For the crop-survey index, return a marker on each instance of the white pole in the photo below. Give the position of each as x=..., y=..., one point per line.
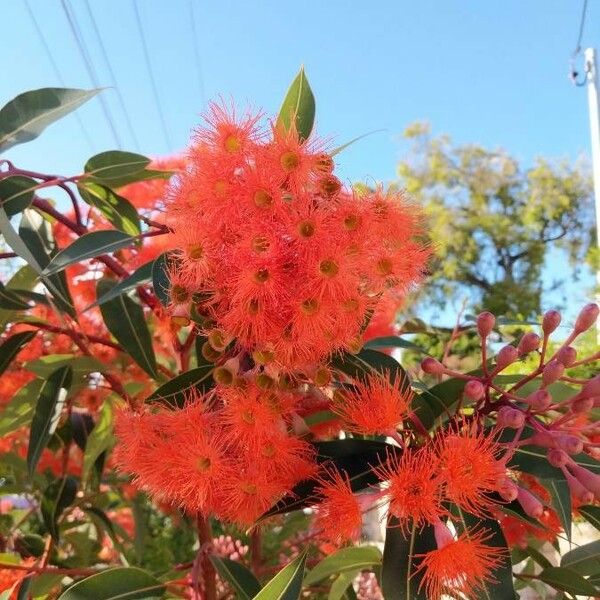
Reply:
x=591, y=70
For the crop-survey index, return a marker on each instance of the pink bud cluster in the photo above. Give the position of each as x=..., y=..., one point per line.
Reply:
x=530, y=406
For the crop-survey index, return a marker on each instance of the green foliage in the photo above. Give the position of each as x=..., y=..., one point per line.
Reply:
x=492, y=222
x=298, y=107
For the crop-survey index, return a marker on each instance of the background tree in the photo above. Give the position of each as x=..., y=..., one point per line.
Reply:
x=493, y=223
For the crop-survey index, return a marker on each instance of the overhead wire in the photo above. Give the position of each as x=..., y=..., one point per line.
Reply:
x=113, y=79
x=196, y=46
x=74, y=26
x=161, y=115
x=56, y=70
x=573, y=73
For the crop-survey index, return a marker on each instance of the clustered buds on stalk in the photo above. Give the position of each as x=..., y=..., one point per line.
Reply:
x=530, y=406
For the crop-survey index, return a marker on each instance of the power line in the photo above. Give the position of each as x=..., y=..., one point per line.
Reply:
x=57, y=72
x=151, y=75
x=581, y=27
x=573, y=73
x=113, y=79
x=89, y=67
x=196, y=46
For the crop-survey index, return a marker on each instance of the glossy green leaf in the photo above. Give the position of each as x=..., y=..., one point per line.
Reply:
x=28, y=114
x=353, y=141
x=585, y=560
x=19, y=411
x=12, y=346
x=58, y=496
x=346, y=559
x=393, y=341
x=240, y=578
x=176, y=391
x=90, y=245
x=561, y=502
x=116, y=168
x=591, y=514
x=341, y=588
x=437, y=401
x=99, y=440
x=287, y=584
x=532, y=459
x=80, y=365
x=51, y=398
x=567, y=580
x=125, y=320
x=298, y=107
x=10, y=300
x=399, y=577
x=122, y=583
x=24, y=280
x=369, y=361
x=36, y=235
x=160, y=279
x=117, y=210
x=140, y=276
x=16, y=193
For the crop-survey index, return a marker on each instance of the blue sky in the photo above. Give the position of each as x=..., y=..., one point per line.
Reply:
x=488, y=72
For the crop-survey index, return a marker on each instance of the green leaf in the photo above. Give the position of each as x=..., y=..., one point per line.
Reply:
x=36, y=235
x=561, y=502
x=585, y=560
x=18, y=412
x=58, y=496
x=99, y=440
x=591, y=514
x=160, y=278
x=437, y=400
x=342, y=586
x=122, y=583
x=28, y=114
x=11, y=347
x=51, y=398
x=90, y=245
x=369, y=361
x=140, y=276
x=176, y=391
x=532, y=459
x=10, y=300
x=117, y=210
x=298, y=107
x=287, y=584
x=80, y=365
x=16, y=193
x=393, y=341
x=346, y=559
x=399, y=579
x=567, y=580
x=239, y=577
x=125, y=320
x=115, y=166
x=353, y=141
x=23, y=280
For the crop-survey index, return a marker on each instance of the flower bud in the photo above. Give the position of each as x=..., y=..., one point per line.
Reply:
x=589, y=480
x=443, y=536
x=586, y=318
x=508, y=489
x=528, y=343
x=582, y=405
x=577, y=490
x=510, y=417
x=552, y=372
x=432, y=366
x=551, y=321
x=530, y=504
x=567, y=355
x=570, y=444
x=485, y=323
x=474, y=389
x=591, y=388
x=557, y=458
x=539, y=400
x=543, y=438
x=505, y=357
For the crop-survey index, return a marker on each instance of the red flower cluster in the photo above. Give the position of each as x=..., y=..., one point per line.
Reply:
x=273, y=251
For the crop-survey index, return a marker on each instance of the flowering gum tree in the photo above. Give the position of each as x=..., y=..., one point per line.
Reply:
x=199, y=399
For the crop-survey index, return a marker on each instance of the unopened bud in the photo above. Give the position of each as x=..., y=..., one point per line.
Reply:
x=529, y=342
x=582, y=405
x=552, y=372
x=557, y=458
x=432, y=366
x=508, y=489
x=510, y=417
x=551, y=321
x=485, y=323
x=570, y=444
x=539, y=400
x=567, y=355
x=586, y=318
x=530, y=504
x=589, y=480
x=474, y=389
x=543, y=438
x=505, y=357
x=579, y=491
x=591, y=388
